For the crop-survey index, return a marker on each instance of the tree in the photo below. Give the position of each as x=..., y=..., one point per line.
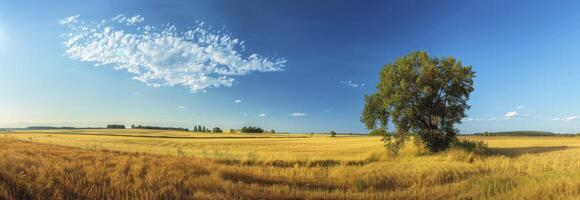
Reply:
x=272, y=131
x=422, y=94
x=379, y=132
x=217, y=130
x=252, y=129
x=115, y=126
x=332, y=134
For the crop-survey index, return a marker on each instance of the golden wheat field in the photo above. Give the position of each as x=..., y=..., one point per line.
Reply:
x=145, y=164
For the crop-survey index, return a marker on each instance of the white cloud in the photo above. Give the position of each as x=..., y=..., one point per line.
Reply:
x=520, y=107
x=238, y=101
x=352, y=84
x=181, y=107
x=479, y=119
x=512, y=114
x=197, y=58
x=69, y=20
x=566, y=119
x=262, y=115
x=128, y=20
x=298, y=114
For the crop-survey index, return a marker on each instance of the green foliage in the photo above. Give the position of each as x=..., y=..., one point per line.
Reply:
x=332, y=134
x=379, y=131
x=517, y=133
x=420, y=94
x=161, y=128
x=115, y=126
x=251, y=129
x=216, y=130
x=272, y=131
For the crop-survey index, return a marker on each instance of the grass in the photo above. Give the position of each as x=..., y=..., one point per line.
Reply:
x=121, y=164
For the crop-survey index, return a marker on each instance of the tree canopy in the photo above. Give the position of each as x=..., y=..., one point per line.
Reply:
x=421, y=94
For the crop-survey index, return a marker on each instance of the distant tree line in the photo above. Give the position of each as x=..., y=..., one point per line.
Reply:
x=200, y=128
x=251, y=129
x=115, y=126
x=203, y=129
x=52, y=127
x=159, y=128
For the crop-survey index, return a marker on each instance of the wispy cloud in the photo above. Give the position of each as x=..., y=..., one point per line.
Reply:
x=479, y=119
x=197, y=58
x=181, y=107
x=238, y=101
x=566, y=119
x=520, y=107
x=262, y=115
x=298, y=114
x=352, y=84
x=128, y=20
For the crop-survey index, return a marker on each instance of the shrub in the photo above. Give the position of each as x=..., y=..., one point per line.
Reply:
x=332, y=134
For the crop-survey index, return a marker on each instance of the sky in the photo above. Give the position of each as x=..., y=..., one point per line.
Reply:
x=292, y=66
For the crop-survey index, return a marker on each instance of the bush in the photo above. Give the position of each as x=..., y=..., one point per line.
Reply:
x=216, y=130
x=332, y=134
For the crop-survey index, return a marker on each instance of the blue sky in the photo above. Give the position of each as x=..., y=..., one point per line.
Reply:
x=315, y=60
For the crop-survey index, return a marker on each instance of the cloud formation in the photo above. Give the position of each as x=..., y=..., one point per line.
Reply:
x=262, y=115
x=479, y=119
x=512, y=114
x=352, y=84
x=566, y=119
x=238, y=101
x=197, y=58
x=298, y=114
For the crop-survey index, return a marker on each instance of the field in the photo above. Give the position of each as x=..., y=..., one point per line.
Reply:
x=144, y=164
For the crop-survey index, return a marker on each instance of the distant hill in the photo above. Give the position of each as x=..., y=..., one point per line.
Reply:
x=516, y=133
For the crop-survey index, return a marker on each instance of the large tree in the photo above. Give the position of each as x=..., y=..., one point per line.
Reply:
x=420, y=94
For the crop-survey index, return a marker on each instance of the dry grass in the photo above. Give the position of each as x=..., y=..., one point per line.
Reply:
x=110, y=167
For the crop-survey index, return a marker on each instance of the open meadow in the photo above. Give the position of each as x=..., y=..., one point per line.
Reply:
x=146, y=164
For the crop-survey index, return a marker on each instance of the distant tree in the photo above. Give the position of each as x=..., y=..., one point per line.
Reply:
x=161, y=128
x=272, y=131
x=232, y=131
x=332, y=134
x=115, y=126
x=133, y=126
x=252, y=129
x=217, y=130
x=420, y=94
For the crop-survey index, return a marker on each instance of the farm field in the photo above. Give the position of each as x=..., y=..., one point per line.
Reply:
x=144, y=164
